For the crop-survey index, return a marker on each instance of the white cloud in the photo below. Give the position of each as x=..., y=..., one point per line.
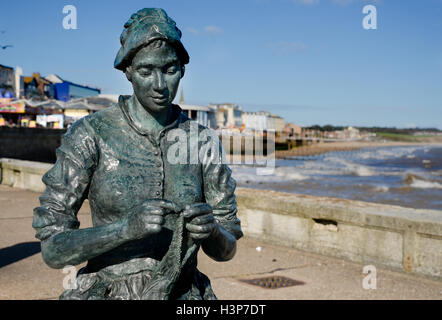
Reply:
x=342, y=2
x=337, y=2
x=307, y=2
x=192, y=30
x=286, y=47
x=213, y=29
x=347, y=2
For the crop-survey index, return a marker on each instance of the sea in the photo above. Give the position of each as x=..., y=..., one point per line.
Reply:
x=408, y=176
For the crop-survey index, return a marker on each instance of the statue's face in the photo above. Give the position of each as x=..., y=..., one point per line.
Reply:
x=155, y=74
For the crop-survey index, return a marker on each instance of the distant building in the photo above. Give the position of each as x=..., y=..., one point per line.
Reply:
x=19, y=85
x=36, y=86
x=349, y=133
x=111, y=97
x=51, y=102
x=68, y=90
x=201, y=114
x=54, y=121
x=276, y=123
x=228, y=115
x=352, y=133
x=292, y=130
x=7, y=79
x=53, y=78
x=311, y=133
x=52, y=86
x=262, y=120
x=256, y=120
x=81, y=107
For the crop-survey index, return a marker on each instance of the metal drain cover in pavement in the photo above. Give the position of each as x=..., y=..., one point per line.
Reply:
x=273, y=282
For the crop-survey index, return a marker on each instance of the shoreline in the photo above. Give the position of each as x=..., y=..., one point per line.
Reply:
x=325, y=147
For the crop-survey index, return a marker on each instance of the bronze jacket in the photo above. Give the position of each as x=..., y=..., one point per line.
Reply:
x=109, y=159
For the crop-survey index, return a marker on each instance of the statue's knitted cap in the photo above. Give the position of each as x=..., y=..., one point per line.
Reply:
x=143, y=27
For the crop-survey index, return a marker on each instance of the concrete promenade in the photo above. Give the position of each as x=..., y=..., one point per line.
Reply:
x=23, y=274
x=405, y=239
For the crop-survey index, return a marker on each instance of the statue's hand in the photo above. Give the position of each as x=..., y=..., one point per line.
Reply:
x=147, y=219
x=200, y=221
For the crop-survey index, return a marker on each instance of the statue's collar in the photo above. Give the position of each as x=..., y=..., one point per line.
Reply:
x=176, y=115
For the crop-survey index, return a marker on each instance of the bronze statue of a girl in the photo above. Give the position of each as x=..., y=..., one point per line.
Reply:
x=150, y=215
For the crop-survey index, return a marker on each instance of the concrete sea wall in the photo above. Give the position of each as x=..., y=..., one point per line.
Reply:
x=404, y=239
x=23, y=174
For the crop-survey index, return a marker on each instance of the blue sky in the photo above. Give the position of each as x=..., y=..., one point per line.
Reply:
x=309, y=61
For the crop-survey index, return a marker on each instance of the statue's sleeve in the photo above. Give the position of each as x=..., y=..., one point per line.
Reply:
x=219, y=187
x=66, y=182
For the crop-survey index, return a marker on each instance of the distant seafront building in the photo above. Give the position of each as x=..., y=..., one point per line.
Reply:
x=7, y=81
x=53, y=87
x=352, y=133
x=6, y=76
x=81, y=107
x=201, y=114
x=66, y=90
x=276, y=123
x=293, y=131
x=51, y=102
x=228, y=115
x=348, y=133
x=111, y=97
x=263, y=120
x=35, y=86
x=256, y=120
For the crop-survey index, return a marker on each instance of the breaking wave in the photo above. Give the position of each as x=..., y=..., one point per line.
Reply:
x=388, y=153
x=406, y=176
x=281, y=174
x=381, y=189
x=353, y=168
x=422, y=184
x=416, y=181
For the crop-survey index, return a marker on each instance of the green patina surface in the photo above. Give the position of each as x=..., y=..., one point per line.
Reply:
x=151, y=215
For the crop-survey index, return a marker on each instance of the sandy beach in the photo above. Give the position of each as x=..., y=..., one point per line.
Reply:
x=319, y=148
